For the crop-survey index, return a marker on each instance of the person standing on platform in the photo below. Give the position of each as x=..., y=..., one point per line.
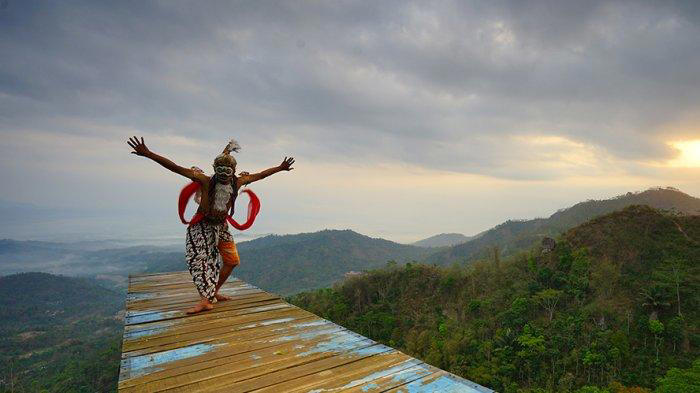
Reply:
x=208, y=234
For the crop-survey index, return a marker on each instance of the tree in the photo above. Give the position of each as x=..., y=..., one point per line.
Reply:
x=655, y=299
x=681, y=380
x=548, y=298
x=656, y=327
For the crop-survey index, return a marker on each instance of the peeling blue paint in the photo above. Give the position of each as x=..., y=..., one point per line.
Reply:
x=140, y=296
x=372, y=350
x=339, y=341
x=371, y=377
x=307, y=335
x=410, y=374
x=146, y=364
x=144, y=333
x=443, y=384
x=320, y=322
x=150, y=316
x=302, y=325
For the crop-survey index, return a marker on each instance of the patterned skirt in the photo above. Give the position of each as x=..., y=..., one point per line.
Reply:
x=201, y=254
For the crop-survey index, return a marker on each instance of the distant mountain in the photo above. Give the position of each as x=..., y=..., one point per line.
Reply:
x=442, y=240
x=291, y=263
x=516, y=235
x=616, y=302
x=57, y=333
x=80, y=258
x=284, y=264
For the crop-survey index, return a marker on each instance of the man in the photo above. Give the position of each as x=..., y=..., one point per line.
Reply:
x=210, y=237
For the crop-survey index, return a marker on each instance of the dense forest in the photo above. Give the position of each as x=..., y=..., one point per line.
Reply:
x=58, y=334
x=613, y=308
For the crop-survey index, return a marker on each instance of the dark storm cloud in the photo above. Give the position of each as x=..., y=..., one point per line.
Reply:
x=441, y=84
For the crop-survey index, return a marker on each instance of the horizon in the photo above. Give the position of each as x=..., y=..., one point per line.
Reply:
x=406, y=119
x=176, y=239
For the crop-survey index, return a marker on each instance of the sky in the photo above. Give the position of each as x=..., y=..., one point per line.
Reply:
x=406, y=119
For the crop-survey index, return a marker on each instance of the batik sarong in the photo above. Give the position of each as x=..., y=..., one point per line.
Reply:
x=205, y=241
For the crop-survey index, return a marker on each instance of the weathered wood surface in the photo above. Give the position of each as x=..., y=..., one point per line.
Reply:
x=255, y=343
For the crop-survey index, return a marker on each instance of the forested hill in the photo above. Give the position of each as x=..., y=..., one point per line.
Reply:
x=292, y=263
x=58, y=334
x=516, y=235
x=615, y=304
x=442, y=240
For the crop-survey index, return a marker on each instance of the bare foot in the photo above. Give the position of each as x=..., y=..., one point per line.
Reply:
x=222, y=298
x=201, y=306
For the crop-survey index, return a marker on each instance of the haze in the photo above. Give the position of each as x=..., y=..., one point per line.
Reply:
x=406, y=119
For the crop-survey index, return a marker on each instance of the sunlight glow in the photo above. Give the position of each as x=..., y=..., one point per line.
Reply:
x=689, y=154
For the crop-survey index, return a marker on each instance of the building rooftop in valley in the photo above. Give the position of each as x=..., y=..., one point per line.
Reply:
x=255, y=342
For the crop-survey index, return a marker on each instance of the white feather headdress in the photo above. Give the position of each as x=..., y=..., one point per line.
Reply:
x=232, y=146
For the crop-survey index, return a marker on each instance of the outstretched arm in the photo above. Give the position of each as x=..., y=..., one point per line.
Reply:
x=140, y=149
x=246, y=178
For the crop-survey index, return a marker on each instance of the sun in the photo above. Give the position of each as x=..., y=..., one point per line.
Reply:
x=689, y=154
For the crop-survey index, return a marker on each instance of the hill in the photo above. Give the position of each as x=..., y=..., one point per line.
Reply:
x=58, y=333
x=442, y=240
x=616, y=303
x=516, y=235
x=283, y=264
x=292, y=263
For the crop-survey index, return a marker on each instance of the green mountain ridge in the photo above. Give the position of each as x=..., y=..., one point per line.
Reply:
x=516, y=235
x=602, y=310
x=442, y=240
x=328, y=254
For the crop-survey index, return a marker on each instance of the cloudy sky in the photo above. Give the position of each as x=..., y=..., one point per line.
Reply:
x=406, y=118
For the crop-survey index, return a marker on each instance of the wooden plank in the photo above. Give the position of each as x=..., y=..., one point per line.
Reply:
x=382, y=382
x=201, y=318
x=252, y=320
x=142, y=316
x=234, y=367
x=255, y=342
x=441, y=382
x=339, y=378
x=235, y=336
x=185, y=297
x=221, y=328
x=277, y=374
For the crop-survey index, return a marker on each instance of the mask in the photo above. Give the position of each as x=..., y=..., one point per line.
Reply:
x=226, y=171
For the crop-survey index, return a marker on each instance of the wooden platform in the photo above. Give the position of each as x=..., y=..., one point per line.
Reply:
x=255, y=343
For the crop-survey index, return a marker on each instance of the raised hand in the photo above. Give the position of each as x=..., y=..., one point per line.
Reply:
x=139, y=147
x=286, y=164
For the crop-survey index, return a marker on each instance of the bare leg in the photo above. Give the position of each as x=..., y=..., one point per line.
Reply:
x=223, y=276
x=203, y=305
